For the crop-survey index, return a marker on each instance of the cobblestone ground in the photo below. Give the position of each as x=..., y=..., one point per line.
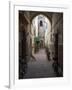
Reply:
x=40, y=67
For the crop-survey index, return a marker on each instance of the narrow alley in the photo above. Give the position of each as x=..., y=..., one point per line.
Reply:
x=40, y=67
x=40, y=44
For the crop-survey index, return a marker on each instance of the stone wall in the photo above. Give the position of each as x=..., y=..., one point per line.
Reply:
x=57, y=28
x=24, y=27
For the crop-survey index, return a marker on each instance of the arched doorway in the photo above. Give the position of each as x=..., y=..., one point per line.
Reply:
x=40, y=27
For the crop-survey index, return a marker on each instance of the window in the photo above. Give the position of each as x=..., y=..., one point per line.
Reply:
x=41, y=23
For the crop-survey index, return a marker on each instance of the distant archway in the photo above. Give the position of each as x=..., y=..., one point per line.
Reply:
x=46, y=14
x=35, y=29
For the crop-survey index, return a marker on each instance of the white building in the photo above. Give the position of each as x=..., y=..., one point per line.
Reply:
x=41, y=30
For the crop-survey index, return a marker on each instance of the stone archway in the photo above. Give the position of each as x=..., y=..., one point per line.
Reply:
x=42, y=43
x=25, y=20
x=33, y=14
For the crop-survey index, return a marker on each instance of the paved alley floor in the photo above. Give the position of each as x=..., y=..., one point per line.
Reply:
x=40, y=67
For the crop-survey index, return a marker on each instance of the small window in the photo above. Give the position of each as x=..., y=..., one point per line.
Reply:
x=41, y=24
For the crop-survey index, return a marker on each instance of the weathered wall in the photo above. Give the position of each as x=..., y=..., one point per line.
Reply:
x=24, y=27
x=57, y=28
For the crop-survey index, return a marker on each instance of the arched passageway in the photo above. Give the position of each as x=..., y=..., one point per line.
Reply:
x=40, y=65
x=40, y=27
x=40, y=44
